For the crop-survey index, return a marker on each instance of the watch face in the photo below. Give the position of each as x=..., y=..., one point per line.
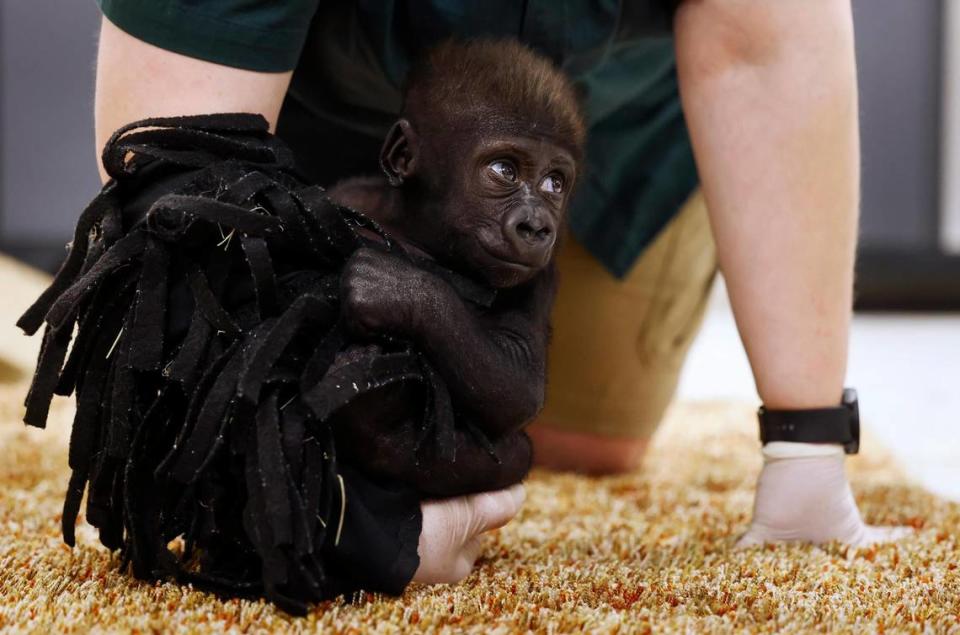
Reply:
x=852, y=404
x=849, y=397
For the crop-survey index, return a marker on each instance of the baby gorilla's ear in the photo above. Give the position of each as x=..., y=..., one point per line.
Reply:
x=400, y=153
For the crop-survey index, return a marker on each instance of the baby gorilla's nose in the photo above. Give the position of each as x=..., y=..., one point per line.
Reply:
x=530, y=232
x=533, y=232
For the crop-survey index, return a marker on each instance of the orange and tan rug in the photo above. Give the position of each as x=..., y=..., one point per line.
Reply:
x=648, y=552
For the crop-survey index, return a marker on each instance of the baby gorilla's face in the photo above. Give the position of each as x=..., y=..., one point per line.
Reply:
x=503, y=204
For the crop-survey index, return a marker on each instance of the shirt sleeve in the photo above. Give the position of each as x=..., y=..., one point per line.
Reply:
x=257, y=35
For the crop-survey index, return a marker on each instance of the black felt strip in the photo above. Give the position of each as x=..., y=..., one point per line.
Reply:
x=142, y=543
x=237, y=147
x=208, y=431
x=122, y=386
x=71, y=506
x=147, y=330
x=106, y=513
x=311, y=567
x=261, y=270
x=293, y=430
x=53, y=350
x=255, y=522
x=342, y=385
x=208, y=304
x=315, y=488
x=219, y=122
x=247, y=186
x=273, y=471
x=300, y=232
x=183, y=158
x=330, y=240
x=100, y=511
x=31, y=320
x=128, y=248
x=305, y=309
x=78, y=353
x=84, y=438
x=114, y=160
x=323, y=355
x=185, y=366
x=211, y=210
x=441, y=415
x=96, y=320
x=111, y=225
x=197, y=399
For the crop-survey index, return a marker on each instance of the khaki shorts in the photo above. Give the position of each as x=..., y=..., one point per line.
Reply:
x=618, y=345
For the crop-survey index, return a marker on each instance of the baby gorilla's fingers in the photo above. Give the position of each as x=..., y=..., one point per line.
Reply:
x=450, y=539
x=381, y=293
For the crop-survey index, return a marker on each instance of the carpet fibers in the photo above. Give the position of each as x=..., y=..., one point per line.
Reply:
x=649, y=552
x=645, y=552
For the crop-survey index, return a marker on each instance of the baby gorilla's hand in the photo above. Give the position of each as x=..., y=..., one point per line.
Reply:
x=383, y=293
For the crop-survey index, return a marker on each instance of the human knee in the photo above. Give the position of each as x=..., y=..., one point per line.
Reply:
x=558, y=449
x=626, y=456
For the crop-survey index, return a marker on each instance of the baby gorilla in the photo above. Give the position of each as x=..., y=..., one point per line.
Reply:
x=477, y=176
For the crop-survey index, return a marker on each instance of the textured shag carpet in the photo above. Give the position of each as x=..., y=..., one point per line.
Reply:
x=648, y=552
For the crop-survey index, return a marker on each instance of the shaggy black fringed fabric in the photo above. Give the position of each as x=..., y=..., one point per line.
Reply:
x=201, y=297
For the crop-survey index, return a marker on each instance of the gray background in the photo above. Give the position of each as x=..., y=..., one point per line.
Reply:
x=898, y=58
x=48, y=170
x=47, y=158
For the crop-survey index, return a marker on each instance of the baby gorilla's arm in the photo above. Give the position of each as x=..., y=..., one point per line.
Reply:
x=379, y=433
x=493, y=364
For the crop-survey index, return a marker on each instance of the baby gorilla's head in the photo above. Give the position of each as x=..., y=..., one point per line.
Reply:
x=486, y=151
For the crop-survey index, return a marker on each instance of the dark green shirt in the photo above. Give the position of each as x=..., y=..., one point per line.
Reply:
x=351, y=57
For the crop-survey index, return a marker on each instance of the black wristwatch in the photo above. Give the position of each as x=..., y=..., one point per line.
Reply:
x=817, y=425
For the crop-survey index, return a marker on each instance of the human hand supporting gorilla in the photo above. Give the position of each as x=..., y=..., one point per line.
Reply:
x=450, y=538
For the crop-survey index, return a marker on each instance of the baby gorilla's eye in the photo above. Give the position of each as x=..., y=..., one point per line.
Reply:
x=552, y=183
x=505, y=169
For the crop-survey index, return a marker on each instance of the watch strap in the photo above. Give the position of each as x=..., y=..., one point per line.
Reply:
x=839, y=424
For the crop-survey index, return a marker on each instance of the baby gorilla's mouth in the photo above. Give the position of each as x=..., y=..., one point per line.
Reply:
x=509, y=260
x=500, y=268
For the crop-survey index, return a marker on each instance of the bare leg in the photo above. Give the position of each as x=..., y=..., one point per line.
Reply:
x=769, y=92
